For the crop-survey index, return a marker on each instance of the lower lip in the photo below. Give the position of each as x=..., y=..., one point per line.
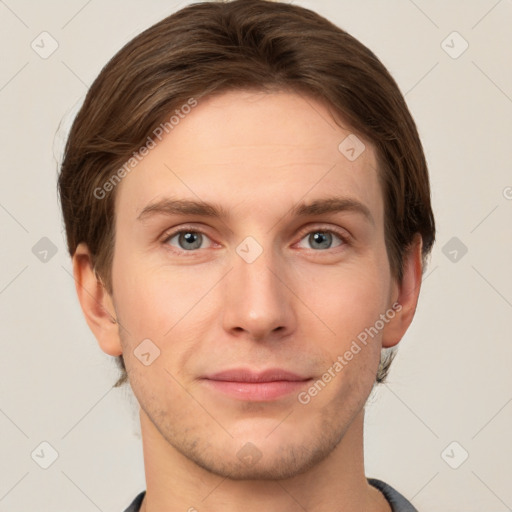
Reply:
x=257, y=391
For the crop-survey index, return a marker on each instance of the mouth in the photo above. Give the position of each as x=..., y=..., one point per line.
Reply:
x=246, y=384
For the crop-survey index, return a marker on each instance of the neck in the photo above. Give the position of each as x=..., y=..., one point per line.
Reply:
x=337, y=483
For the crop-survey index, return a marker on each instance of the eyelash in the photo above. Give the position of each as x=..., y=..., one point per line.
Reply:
x=345, y=238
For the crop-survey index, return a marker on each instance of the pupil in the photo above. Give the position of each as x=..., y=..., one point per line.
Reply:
x=191, y=239
x=322, y=238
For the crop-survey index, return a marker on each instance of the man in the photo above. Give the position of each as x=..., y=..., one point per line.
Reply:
x=247, y=206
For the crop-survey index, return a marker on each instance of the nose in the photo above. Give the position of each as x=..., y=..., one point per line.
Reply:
x=258, y=303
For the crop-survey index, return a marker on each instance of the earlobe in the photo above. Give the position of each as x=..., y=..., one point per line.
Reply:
x=96, y=303
x=407, y=296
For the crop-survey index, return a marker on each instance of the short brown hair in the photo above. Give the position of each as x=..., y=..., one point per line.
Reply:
x=213, y=47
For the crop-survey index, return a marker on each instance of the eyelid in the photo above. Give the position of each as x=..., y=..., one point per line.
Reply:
x=344, y=235
x=171, y=233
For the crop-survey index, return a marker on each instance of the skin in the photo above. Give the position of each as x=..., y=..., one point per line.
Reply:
x=298, y=306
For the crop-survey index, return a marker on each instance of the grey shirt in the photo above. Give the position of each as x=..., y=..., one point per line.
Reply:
x=397, y=502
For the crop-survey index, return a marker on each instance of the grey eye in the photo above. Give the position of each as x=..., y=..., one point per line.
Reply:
x=188, y=240
x=321, y=239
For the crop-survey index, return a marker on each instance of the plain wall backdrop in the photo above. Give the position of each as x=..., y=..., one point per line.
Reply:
x=439, y=430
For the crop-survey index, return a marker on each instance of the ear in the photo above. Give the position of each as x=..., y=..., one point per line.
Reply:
x=96, y=303
x=405, y=295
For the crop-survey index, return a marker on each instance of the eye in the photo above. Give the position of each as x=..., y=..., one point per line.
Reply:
x=190, y=240
x=323, y=239
x=187, y=239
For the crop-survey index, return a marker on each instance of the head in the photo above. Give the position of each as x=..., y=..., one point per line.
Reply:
x=267, y=112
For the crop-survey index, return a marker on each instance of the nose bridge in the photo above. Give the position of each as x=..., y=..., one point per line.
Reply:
x=255, y=268
x=257, y=300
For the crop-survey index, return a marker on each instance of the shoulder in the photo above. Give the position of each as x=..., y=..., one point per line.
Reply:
x=136, y=503
x=398, y=502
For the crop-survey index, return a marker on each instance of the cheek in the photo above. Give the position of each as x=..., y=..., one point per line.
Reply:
x=347, y=298
x=151, y=299
x=143, y=307
x=167, y=306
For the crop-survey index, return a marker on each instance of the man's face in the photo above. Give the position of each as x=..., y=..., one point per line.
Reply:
x=259, y=288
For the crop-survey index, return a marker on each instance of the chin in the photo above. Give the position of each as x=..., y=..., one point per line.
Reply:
x=278, y=460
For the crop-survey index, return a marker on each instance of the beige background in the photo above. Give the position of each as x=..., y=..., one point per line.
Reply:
x=452, y=378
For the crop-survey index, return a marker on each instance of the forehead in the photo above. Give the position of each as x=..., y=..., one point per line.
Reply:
x=255, y=148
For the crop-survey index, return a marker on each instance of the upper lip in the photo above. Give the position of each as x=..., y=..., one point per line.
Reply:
x=247, y=375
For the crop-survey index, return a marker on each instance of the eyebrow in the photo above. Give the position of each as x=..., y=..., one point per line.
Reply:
x=168, y=206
